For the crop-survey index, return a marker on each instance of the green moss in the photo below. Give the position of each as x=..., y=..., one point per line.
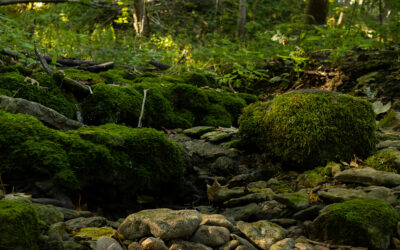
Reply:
x=360, y=222
x=311, y=128
x=117, y=76
x=217, y=116
x=115, y=160
x=185, y=96
x=15, y=68
x=249, y=98
x=384, y=160
x=47, y=94
x=19, y=226
x=84, y=76
x=389, y=120
x=112, y=104
x=310, y=178
x=199, y=79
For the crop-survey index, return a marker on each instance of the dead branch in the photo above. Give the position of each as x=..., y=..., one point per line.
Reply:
x=327, y=245
x=44, y=63
x=101, y=67
x=159, y=65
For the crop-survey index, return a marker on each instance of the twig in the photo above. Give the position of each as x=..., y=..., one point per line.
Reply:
x=44, y=63
x=327, y=245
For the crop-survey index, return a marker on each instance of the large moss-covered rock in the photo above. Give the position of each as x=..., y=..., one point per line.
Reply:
x=363, y=222
x=46, y=91
x=310, y=128
x=115, y=160
x=19, y=226
x=112, y=104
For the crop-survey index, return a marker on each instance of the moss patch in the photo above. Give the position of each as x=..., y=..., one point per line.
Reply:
x=311, y=128
x=384, y=160
x=47, y=93
x=360, y=222
x=116, y=160
x=19, y=226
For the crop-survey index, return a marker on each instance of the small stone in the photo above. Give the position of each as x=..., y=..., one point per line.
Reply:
x=186, y=245
x=369, y=176
x=75, y=224
x=249, y=198
x=285, y=244
x=242, y=213
x=230, y=245
x=152, y=243
x=284, y=222
x=94, y=233
x=224, y=194
x=337, y=194
x=263, y=233
x=211, y=235
x=304, y=246
x=216, y=220
x=107, y=243
x=309, y=213
x=163, y=223
x=135, y=246
x=297, y=201
x=243, y=242
x=196, y=132
x=69, y=214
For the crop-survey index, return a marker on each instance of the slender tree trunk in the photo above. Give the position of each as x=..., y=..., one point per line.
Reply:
x=341, y=16
x=380, y=13
x=140, y=19
x=241, y=28
x=317, y=11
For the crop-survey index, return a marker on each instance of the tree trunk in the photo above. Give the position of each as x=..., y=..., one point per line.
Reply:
x=140, y=19
x=241, y=28
x=341, y=16
x=317, y=11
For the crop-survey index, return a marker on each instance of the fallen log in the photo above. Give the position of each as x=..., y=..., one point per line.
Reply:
x=101, y=67
x=159, y=65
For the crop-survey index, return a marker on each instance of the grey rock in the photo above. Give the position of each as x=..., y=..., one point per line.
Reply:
x=216, y=220
x=48, y=213
x=43, y=113
x=58, y=232
x=309, y=213
x=304, y=246
x=285, y=244
x=389, y=144
x=243, y=242
x=196, y=132
x=381, y=193
x=69, y=214
x=163, y=223
x=48, y=201
x=230, y=245
x=220, y=135
x=187, y=245
x=224, y=165
x=224, y=194
x=205, y=150
x=285, y=222
x=249, y=198
x=211, y=235
x=135, y=246
x=152, y=243
x=368, y=176
x=81, y=222
x=107, y=243
x=17, y=197
x=297, y=201
x=242, y=213
x=271, y=209
x=262, y=233
x=337, y=194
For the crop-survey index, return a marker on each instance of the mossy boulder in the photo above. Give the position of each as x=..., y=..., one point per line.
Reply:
x=310, y=128
x=199, y=79
x=47, y=93
x=112, y=104
x=115, y=160
x=364, y=222
x=19, y=226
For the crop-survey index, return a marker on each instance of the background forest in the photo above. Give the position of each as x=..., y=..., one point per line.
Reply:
x=232, y=39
